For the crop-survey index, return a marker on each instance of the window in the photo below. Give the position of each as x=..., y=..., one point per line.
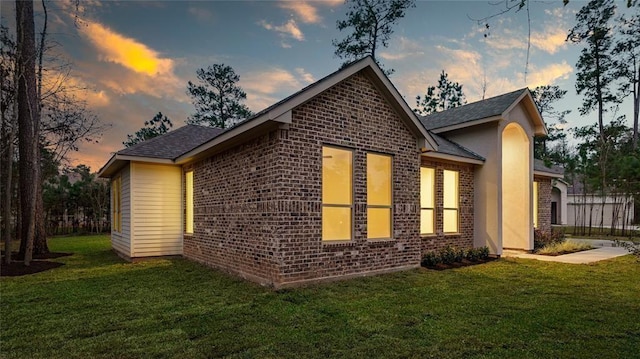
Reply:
x=337, y=194
x=427, y=200
x=188, y=201
x=535, y=204
x=379, y=215
x=450, y=208
x=116, y=204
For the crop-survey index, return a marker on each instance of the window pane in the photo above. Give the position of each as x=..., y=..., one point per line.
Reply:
x=450, y=189
x=427, y=193
x=535, y=204
x=336, y=176
x=450, y=221
x=426, y=221
x=189, y=201
x=378, y=180
x=378, y=223
x=336, y=223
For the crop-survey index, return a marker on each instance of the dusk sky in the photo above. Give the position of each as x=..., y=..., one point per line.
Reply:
x=135, y=57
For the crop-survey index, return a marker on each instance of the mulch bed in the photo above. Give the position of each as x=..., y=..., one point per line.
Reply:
x=38, y=264
x=464, y=263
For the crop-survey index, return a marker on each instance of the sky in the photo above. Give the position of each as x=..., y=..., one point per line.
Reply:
x=133, y=59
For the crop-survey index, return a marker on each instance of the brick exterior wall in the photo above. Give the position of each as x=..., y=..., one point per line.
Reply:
x=258, y=206
x=236, y=212
x=464, y=238
x=352, y=114
x=544, y=202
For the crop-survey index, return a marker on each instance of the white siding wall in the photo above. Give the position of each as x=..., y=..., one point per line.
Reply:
x=121, y=242
x=156, y=197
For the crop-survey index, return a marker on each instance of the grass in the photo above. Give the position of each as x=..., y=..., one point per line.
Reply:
x=600, y=233
x=97, y=306
x=566, y=247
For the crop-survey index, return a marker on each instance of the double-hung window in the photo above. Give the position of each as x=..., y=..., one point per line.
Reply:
x=379, y=190
x=450, y=201
x=188, y=201
x=427, y=200
x=116, y=204
x=337, y=194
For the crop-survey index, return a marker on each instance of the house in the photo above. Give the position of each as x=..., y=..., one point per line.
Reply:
x=585, y=208
x=340, y=179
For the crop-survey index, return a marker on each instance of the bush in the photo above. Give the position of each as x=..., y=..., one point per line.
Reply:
x=448, y=255
x=430, y=259
x=472, y=254
x=565, y=247
x=632, y=246
x=483, y=252
x=543, y=238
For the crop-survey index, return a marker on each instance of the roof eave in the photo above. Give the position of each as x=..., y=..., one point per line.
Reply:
x=117, y=161
x=467, y=124
x=540, y=129
x=453, y=158
x=548, y=174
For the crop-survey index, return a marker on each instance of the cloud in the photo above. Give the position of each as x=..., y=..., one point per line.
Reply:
x=548, y=75
x=550, y=40
x=266, y=87
x=305, y=11
x=116, y=48
x=288, y=29
x=405, y=48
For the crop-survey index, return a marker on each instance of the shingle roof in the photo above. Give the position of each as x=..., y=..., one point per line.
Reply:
x=173, y=143
x=490, y=107
x=451, y=148
x=538, y=165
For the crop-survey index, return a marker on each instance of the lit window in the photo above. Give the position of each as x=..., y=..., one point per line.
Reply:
x=379, y=171
x=188, y=201
x=450, y=205
x=337, y=194
x=116, y=204
x=427, y=200
x=535, y=204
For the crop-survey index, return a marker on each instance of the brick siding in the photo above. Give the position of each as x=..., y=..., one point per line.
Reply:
x=544, y=202
x=258, y=206
x=464, y=238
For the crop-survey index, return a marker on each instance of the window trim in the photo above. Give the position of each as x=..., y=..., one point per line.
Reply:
x=432, y=209
x=457, y=199
x=351, y=206
x=390, y=206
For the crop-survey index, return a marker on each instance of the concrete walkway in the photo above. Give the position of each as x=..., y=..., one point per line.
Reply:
x=604, y=249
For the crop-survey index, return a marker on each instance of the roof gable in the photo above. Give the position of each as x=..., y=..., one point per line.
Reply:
x=173, y=143
x=488, y=110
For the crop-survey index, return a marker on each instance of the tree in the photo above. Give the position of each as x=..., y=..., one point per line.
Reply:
x=545, y=97
x=217, y=98
x=446, y=95
x=372, y=22
x=8, y=109
x=595, y=66
x=28, y=121
x=627, y=63
x=158, y=125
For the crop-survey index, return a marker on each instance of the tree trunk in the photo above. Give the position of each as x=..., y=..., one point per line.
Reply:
x=28, y=122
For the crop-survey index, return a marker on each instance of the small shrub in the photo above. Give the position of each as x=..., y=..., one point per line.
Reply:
x=473, y=254
x=483, y=252
x=544, y=238
x=564, y=247
x=430, y=259
x=632, y=246
x=459, y=254
x=448, y=255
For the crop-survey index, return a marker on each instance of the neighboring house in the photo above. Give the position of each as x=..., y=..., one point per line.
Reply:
x=588, y=209
x=340, y=179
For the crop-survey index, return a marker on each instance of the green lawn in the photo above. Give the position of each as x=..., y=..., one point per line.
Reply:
x=97, y=306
